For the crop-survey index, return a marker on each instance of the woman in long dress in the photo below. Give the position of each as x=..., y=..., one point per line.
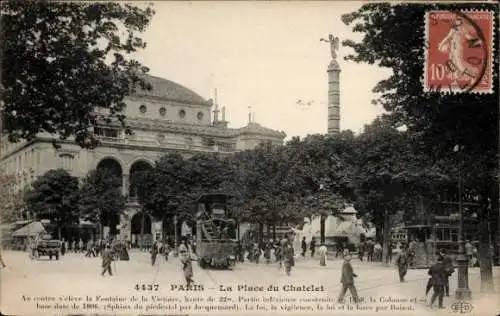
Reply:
x=322, y=255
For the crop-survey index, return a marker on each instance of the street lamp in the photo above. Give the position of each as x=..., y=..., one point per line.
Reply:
x=175, y=236
x=463, y=291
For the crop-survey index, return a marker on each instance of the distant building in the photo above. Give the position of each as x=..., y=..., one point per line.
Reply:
x=169, y=118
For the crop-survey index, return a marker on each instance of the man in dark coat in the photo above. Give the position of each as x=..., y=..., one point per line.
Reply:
x=304, y=247
x=107, y=258
x=438, y=279
x=312, y=246
x=449, y=269
x=154, y=252
x=347, y=280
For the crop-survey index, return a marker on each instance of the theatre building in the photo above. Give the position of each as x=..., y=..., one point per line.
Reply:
x=169, y=118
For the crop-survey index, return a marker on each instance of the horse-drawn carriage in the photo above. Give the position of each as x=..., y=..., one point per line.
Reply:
x=43, y=247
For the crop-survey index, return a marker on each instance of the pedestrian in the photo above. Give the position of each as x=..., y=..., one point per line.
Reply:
x=107, y=258
x=361, y=250
x=322, y=255
x=388, y=259
x=267, y=252
x=80, y=245
x=63, y=247
x=187, y=266
x=256, y=253
x=288, y=257
x=73, y=246
x=90, y=249
x=438, y=276
x=347, y=280
x=154, y=252
x=370, y=249
x=449, y=269
x=402, y=263
x=377, y=249
x=240, y=254
x=2, y=262
x=312, y=246
x=304, y=247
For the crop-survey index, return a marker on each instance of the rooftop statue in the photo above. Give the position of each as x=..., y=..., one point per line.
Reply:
x=334, y=45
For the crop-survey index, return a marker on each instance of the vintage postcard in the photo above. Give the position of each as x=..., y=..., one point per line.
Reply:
x=249, y=158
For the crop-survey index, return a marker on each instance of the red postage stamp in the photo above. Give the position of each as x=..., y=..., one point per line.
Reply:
x=459, y=51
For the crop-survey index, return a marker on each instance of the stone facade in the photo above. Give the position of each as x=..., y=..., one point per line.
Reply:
x=170, y=118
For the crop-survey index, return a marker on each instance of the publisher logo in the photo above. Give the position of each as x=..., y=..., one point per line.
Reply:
x=461, y=307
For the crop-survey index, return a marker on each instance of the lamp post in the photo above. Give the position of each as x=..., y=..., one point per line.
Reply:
x=176, y=246
x=463, y=291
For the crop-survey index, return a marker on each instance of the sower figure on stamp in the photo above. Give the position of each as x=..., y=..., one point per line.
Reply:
x=347, y=280
x=402, y=263
x=107, y=258
x=438, y=276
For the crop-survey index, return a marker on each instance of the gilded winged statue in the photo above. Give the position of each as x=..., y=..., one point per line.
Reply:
x=334, y=45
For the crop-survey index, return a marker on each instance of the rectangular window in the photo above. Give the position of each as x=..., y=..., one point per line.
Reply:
x=106, y=132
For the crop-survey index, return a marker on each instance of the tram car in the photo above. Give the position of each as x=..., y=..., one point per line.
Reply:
x=216, y=231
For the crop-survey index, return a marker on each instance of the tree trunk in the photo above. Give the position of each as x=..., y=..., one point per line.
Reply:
x=261, y=233
x=322, y=228
x=386, y=238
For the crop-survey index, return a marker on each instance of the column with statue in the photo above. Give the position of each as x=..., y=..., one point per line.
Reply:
x=333, y=71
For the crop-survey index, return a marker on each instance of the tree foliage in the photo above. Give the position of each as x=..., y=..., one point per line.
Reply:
x=61, y=60
x=54, y=196
x=174, y=184
x=101, y=197
x=11, y=199
x=394, y=37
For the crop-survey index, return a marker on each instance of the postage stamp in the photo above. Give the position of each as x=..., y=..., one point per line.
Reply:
x=459, y=51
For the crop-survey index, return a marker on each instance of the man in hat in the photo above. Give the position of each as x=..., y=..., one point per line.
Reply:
x=187, y=266
x=438, y=279
x=107, y=258
x=449, y=269
x=347, y=280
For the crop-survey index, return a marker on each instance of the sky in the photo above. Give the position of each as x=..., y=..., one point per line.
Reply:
x=263, y=55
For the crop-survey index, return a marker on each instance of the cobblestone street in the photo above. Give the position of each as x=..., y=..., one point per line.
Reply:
x=309, y=288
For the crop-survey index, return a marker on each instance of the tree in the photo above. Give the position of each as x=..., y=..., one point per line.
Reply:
x=11, y=199
x=55, y=70
x=174, y=184
x=54, y=196
x=101, y=200
x=394, y=38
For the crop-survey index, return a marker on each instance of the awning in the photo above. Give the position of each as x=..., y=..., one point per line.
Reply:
x=32, y=229
x=86, y=224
